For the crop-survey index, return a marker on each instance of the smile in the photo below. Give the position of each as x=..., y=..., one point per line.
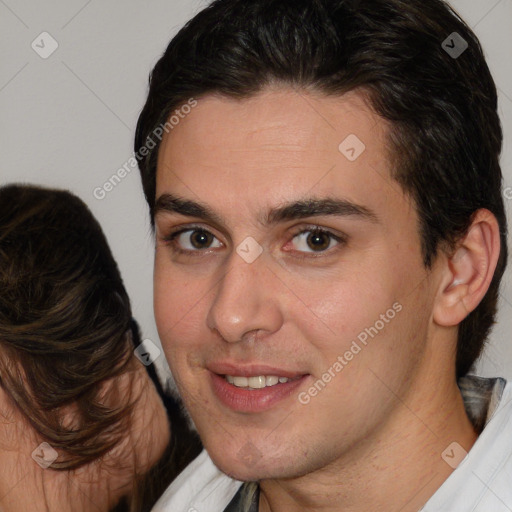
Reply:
x=252, y=393
x=256, y=382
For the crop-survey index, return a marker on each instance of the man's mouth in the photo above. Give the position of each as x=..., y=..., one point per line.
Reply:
x=253, y=388
x=257, y=382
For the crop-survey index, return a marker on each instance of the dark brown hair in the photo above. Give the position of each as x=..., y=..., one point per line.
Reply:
x=66, y=329
x=64, y=321
x=445, y=137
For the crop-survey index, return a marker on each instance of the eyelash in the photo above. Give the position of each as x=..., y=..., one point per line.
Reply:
x=170, y=239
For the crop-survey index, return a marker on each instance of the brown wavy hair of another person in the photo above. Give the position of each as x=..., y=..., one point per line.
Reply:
x=64, y=317
x=66, y=328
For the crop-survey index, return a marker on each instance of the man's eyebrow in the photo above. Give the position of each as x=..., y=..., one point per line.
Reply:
x=313, y=207
x=316, y=207
x=173, y=204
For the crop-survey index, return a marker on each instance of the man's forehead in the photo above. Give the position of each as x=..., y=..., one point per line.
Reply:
x=220, y=155
x=284, y=129
x=274, y=119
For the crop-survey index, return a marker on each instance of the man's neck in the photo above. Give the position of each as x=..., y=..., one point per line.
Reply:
x=399, y=468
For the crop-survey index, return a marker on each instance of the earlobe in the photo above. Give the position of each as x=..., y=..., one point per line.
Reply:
x=469, y=270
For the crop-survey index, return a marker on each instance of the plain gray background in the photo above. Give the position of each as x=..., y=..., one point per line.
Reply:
x=68, y=120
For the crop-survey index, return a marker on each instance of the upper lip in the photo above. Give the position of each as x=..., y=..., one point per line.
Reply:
x=251, y=370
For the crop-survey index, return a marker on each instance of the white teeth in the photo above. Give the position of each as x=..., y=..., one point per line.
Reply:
x=257, y=382
x=241, y=382
x=271, y=381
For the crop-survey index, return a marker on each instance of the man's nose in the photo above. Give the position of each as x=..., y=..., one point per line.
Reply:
x=246, y=299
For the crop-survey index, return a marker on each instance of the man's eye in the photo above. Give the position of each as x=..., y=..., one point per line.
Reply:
x=192, y=240
x=316, y=240
x=197, y=239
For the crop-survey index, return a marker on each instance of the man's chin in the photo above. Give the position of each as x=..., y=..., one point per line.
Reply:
x=242, y=467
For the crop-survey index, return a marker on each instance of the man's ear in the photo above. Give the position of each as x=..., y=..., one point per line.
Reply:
x=468, y=272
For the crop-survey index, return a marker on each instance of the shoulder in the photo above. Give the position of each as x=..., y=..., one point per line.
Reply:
x=483, y=480
x=200, y=487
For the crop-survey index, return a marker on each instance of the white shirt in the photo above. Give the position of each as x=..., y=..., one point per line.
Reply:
x=200, y=487
x=482, y=482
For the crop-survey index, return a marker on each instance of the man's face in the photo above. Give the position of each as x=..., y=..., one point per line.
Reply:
x=261, y=297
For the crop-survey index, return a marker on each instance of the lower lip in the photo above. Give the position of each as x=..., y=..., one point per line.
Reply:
x=255, y=400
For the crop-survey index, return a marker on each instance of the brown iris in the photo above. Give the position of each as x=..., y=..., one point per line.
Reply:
x=318, y=241
x=200, y=238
